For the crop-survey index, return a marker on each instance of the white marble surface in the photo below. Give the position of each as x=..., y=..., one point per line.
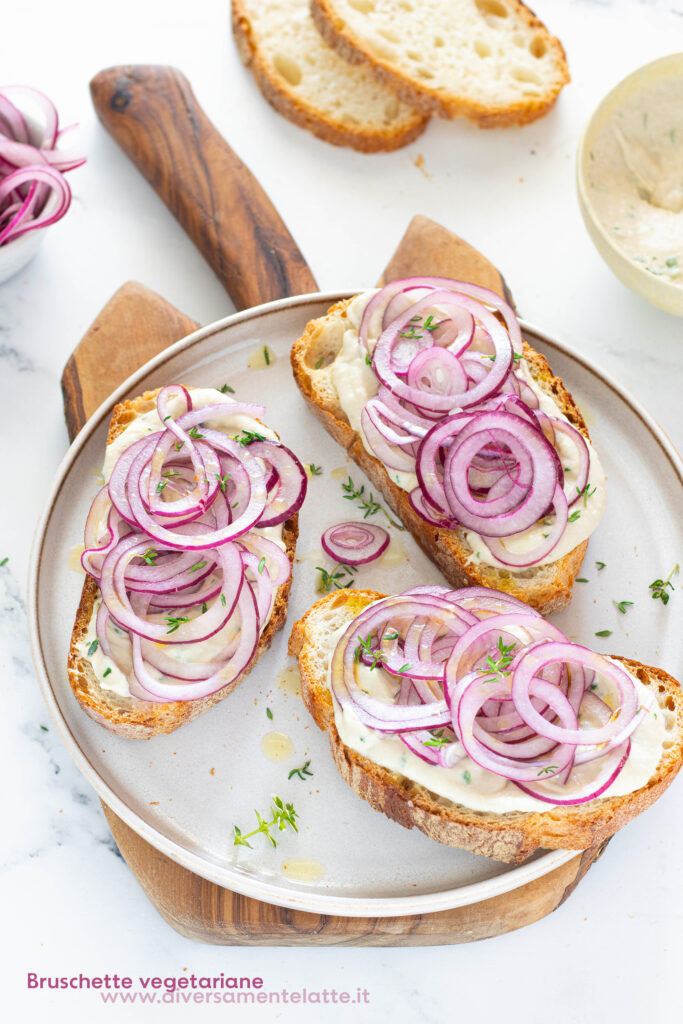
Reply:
x=69, y=902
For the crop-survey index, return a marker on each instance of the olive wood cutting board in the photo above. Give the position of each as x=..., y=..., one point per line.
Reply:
x=154, y=116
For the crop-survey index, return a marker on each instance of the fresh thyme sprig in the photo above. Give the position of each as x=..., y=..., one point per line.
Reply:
x=248, y=437
x=223, y=481
x=331, y=578
x=175, y=622
x=496, y=669
x=315, y=470
x=150, y=556
x=225, y=388
x=300, y=772
x=622, y=606
x=659, y=587
x=586, y=493
x=283, y=815
x=368, y=505
x=365, y=647
x=551, y=769
x=438, y=739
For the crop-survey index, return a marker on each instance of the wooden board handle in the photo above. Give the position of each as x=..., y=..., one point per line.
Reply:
x=152, y=113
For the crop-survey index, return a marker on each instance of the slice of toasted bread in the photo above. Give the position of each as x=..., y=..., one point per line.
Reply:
x=510, y=837
x=491, y=61
x=547, y=587
x=128, y=716
x=311, y=85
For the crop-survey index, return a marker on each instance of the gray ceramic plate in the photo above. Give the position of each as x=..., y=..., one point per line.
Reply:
x=183, y=793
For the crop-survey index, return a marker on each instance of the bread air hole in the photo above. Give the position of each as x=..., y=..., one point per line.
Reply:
x=380, y=48
x=492, y=7
x=538, y=47
x=669, y=703
x=288, y=68
x=439, y=42
x=390, y=34
x=364, y=6
x=425, y=73
x=405, y=5
x=481, y=48
x=524, y=75
x=391, y=109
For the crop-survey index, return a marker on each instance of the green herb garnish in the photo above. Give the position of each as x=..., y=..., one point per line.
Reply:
x=586, y=493
x=175, y=622
x=248, y=437
x=497, y=669
x=438, y=739
x=5, y=560
x=223, y=481
x=93, y=647
x=266, y=355
x=368, y=505
x=365, y=647
x=659, y=587
x=319, y=363
x=194, y=434
x=622, y=605
x=262, y=565
x=332, y=578
x=315, y=470
x=604, y=632
x=550, y=769
x=300, y=771
x=601, y=565
x=283, y=815
x=269, y=714
x=574, y=516
x=197, y=566
x=106, y=672
x=150, y=556
x=225, y=389
x=581, y=579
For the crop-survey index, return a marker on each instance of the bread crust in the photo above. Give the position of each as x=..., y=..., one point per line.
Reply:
x=510, y=837
x=128, y=716
x=364, y=138
x=419, y=94
x=547, y=588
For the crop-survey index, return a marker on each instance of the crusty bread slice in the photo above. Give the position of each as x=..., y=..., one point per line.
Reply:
x=491, y=61
x=510, y=837
x=547, y=587
x=128, y=716
x=311, y=85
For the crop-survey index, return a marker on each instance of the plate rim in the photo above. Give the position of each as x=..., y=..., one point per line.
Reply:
x=269, y=892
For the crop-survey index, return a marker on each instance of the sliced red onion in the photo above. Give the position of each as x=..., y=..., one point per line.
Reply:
x=29, y=174
x=354, y=543
x=175, y=572
x=512, y=686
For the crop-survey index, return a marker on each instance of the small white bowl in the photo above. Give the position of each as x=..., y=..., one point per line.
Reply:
x=19, y=251
x=657, y=290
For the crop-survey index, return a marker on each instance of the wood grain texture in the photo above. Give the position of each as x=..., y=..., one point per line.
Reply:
x=152, y=113
x=135, y=325
x=428, y=249
x=205, y=912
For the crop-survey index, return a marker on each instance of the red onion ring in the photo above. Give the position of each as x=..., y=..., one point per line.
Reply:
x=177, y=572
x=354, y=543
x=503, y=686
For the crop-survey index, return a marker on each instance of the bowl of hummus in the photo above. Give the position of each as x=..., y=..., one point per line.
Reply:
x=630, y=181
